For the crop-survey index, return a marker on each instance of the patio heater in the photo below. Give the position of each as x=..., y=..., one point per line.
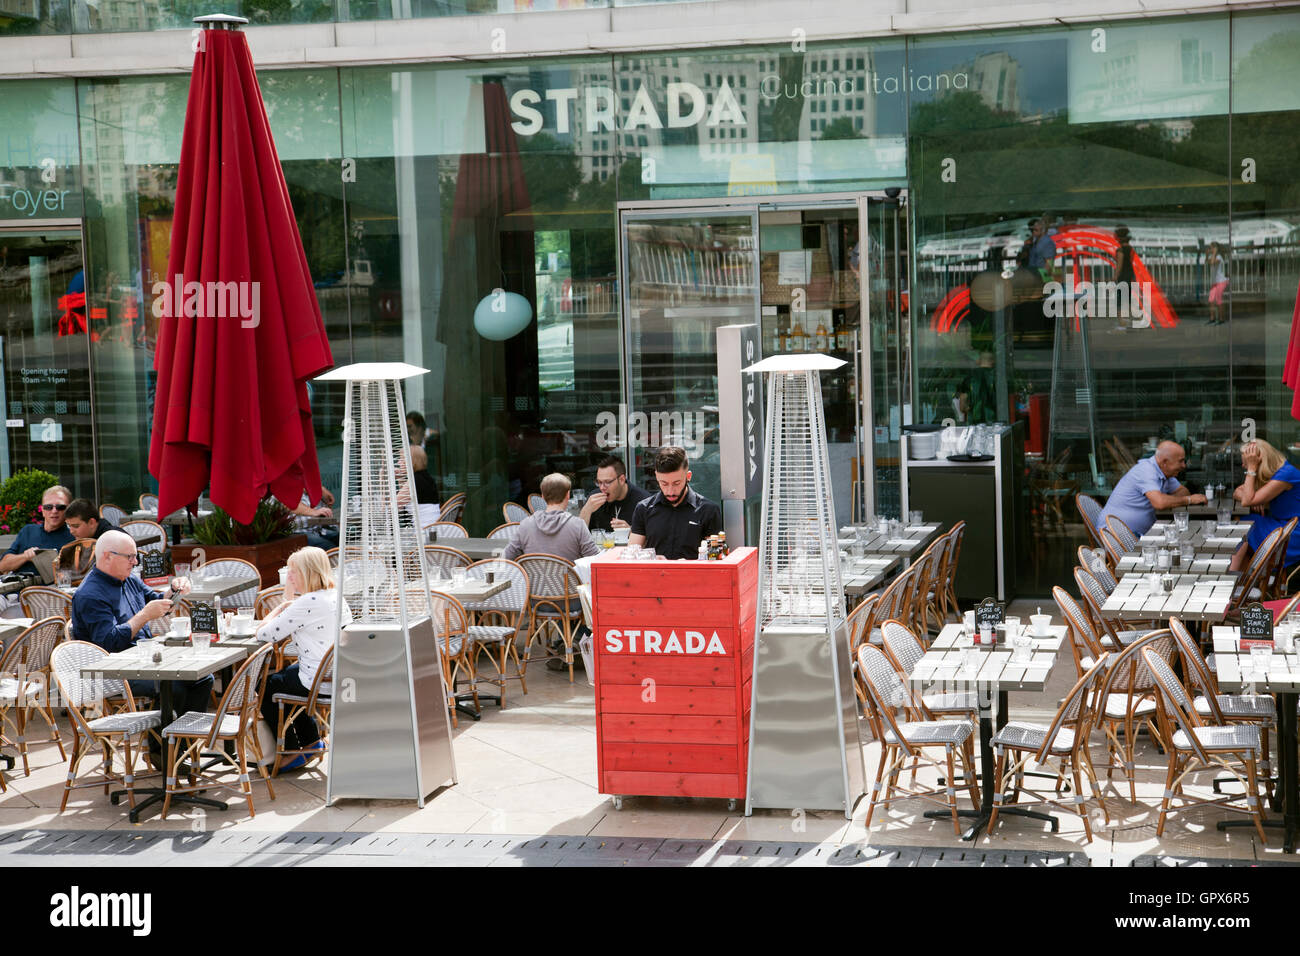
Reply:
x=390, y=734
x=804, y=750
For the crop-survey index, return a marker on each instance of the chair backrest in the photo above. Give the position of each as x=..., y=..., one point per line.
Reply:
x=1128, y=674
x=514, y=512
x=453, y=507
x=1275, y=585
x=78, y=693
x=550, y=578
x=30, y=651
x=40, y=601
x=958, y=533
x=901, y=646
x=113, y=513
x=1114, y=550
x=510, y=603
x=240, y=697
x=536, y=503
x=1094, y=597
x=886, y=692
x=1083, y=639
x=444, y=558
x=446, y=529
x=1122, y=532
x=149, y=502
x=143, y=528
x=1074, y=712
x=504, y=532
x=268, y=599
x=1090, y=511
x=1195, y=669
x=1096, y=565
x=1281, y=615
x=860, y=620
x=1175, y=702
x=232, y=568
x=450, y=621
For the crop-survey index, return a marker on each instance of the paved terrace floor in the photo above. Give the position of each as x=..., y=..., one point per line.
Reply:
x=528, y=796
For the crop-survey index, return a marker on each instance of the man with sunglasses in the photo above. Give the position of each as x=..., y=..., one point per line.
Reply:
x=52, y=532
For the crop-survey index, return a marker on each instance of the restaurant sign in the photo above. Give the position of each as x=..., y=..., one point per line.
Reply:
x=649, y=641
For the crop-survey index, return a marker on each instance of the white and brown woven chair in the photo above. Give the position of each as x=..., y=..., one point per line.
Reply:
x=451, y=630
x=112, y=735
x=113, y=513
x=1274, y=586
x=1090, y=512
x=139, y=528
x=453, y=508
x=25, y=681
x=503, y=532
x=40, y=601
x=498, y=621
x=1194, y=743
x=315, y=705
x=553, y=605
x=1125, y=535
x=903, y=745
x=196, y=735
x=957, y=534
x=1094, y=562
x=536, y=503
x=514, y=512
x=904, y=652
x=267, y=600
x=1111, y=637
x=1085, y=647
x=1063, y=741
x=1253, y=583
x=445, y=530
x=236, y=568
x=444, y=558
x=1126, y=701
x=1110, y=544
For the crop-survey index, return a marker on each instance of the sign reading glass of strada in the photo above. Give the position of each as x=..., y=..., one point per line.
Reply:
x=989, y=612
x=629, y=640
x=1256, y=626
x=203, y=618
x=155, y=567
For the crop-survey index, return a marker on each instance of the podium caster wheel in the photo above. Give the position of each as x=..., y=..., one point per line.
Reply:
x=618, y=802
x=731, y=805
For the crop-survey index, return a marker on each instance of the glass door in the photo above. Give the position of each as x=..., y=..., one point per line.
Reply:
x=687, y=272
x=45, y=327
x=884, y=356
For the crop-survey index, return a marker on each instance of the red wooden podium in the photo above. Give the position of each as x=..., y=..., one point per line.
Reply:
x=674, y=646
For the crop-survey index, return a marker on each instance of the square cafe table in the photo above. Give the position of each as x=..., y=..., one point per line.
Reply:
x=205, y=589
x=476, y=549
x=178, y=663
x=863, y=575
x=911, y=541
x=1283, y=679
x=1195, y=597
x=1131, y=563
x=1222, y=541
x=941, y=671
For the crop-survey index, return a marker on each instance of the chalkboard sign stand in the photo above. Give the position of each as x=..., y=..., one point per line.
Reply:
x=203, y=619
x=156, y=568
x=1256, y=626
x=989, y=612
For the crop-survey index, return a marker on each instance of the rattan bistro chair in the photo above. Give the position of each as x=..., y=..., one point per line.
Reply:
x=113, y=735
x=1193, y=744
x=514, y=512
x=498, y=621
x=113, y=513
x=149, y=502
x=232, y=568
x=957, y=534
x=196, y=735
x=504, y=532
x=1064, y=740
x=267, y=600
x=25, y=680
x=453, y=508
x=1094, y=597
x=536, y=503
x=903, y=745
x=40, y=601
x=553, y=604
x=1084, y=645
x=1094, y=562
x=76, y=556
x=904, y=651
x=451, y=629
x=143, y=528
x=445, y=559
x=1127, y=539
x=445, y=530
x=1114, y=550
x=1090, y=512
x=1126, y=700
x=315, y=705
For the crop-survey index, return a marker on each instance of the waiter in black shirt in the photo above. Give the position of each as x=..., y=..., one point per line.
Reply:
x=611, y=507
x=675, y=520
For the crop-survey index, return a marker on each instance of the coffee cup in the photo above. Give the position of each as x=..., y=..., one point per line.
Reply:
x=181, y=626
x=621, y=535
x=1040, y=624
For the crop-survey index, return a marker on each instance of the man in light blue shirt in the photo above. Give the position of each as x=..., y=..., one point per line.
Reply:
x=1150, y=486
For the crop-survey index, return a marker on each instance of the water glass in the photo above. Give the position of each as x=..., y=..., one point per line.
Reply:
x=1180, y=520
x=647, y=554
x=1188, y=553
x=1013, y=626
x=1225, y=516
x=181, y=626
x=914, y=518
x=1153, y=583
x=1247, y=675
x=1163, y=559
x=64, y=578
x=458, y=578
x=201, y=642
x=968, y=623
x=1283, y=637
x=1259, y=659
x=970, y=661
x=1022, y=647
x=144, y=648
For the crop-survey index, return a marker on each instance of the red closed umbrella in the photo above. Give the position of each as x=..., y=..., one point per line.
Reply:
x=1291, y=365
x=240, y=330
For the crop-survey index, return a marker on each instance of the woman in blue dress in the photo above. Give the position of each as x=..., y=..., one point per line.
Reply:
x=1272, y=490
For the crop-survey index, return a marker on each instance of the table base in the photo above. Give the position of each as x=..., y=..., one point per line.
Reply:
x=157, y=795
x=983, y=818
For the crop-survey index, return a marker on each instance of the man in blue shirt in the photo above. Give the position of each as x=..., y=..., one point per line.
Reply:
x=1149, y=486
x=111, y=606
x=52, y=532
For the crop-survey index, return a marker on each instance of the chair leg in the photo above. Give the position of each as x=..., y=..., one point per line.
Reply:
x=998, y=767
x=1169, y=782
x=1253, y=798
x=170, y=781
x=952, y=791
x=875, y=787
x=1079, y=801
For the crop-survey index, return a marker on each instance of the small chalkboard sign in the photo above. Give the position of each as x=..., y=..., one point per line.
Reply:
x=203, y=618
x=1256, y=625
x=989, y=612
x=155, y=567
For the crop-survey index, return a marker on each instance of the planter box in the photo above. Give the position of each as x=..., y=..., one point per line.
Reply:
x=268, y=558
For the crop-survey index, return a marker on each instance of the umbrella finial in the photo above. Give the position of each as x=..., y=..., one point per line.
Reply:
x=221, y=21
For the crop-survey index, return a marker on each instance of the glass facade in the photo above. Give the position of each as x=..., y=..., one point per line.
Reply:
x=618, y=196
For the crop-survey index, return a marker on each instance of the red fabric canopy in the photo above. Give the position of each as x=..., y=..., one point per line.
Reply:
x=1291, y=368
x=240, y=329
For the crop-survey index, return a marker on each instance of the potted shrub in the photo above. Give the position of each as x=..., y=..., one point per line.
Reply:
x=266, y=541
x=20, y=498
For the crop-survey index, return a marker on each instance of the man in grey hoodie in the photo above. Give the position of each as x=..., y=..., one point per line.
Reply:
x=553, y=531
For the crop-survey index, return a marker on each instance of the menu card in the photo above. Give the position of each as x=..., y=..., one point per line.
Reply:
x=156, y=567
x=1256, y=626
x=203, y=618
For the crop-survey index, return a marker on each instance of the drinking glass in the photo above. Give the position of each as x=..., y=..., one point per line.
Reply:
x=65, y=578
x=181, y=626
x=1188, y=553
x=647, y=554
x=970, y=661
x=914, y=518
x=1259, y=659
x=458, y=577
x=1247, y=675
x=1153, y=583
x=1225, y=516
x=1013, y=626
x=1180, y=520
x=201, y=641
x=1022, y=647
x=1163, y=560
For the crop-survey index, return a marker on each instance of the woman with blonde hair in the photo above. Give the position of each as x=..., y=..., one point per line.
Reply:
x=1272, y=491
x=308, y=615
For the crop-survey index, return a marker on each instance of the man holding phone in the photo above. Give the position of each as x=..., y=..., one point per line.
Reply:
x=615, y=499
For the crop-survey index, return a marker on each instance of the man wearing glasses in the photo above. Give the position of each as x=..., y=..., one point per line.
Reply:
x=615, y=498
x=52, y=532
x=111, y=606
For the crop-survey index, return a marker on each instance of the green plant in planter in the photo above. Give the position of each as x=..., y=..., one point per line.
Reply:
x=22, y=491
x=271, y=522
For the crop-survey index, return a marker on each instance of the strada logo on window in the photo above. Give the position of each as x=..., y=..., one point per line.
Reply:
x=685, y=105
x=633, y=641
